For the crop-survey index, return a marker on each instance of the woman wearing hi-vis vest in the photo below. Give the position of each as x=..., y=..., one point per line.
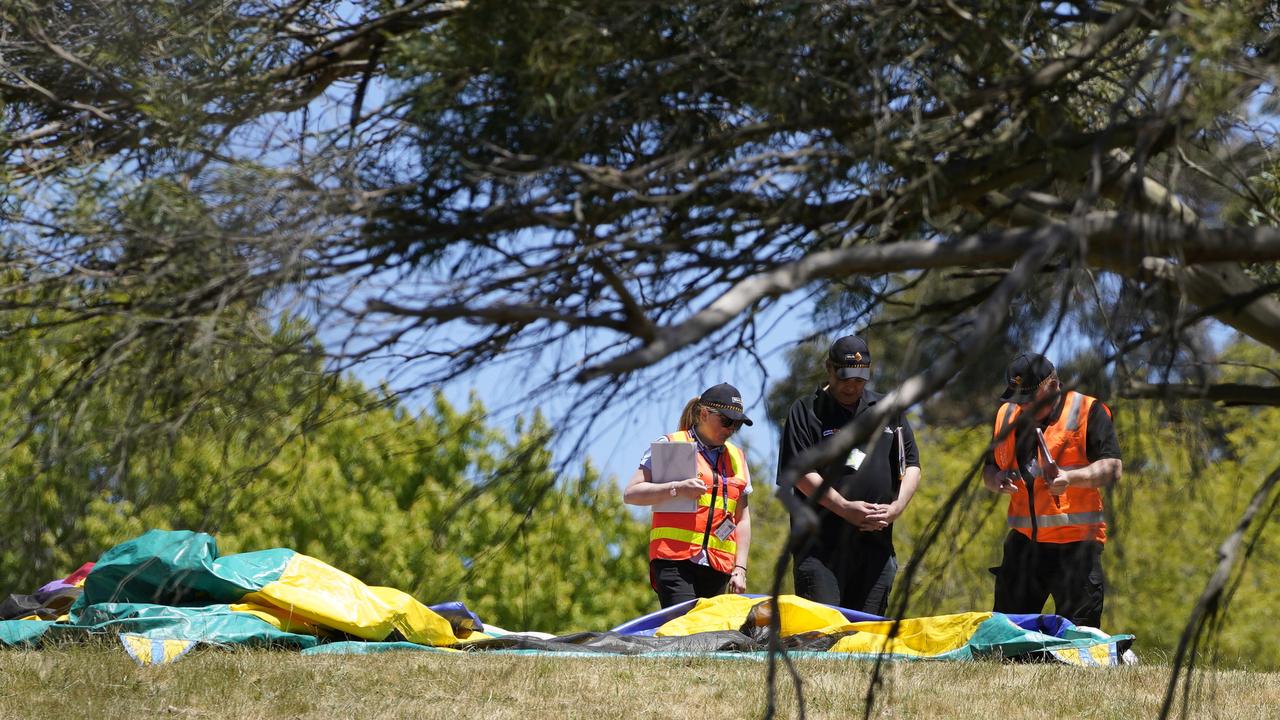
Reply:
x=699, y=553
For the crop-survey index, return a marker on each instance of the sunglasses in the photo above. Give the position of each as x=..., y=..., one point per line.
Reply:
x=724, y=421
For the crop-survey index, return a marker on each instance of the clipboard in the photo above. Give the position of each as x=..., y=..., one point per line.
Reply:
x=1049, y=467
x=673, y=461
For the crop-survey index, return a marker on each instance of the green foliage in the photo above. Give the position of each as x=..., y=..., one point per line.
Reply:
x=1265, y=211
x=1185, y=488
x=545, y=172
x=805, y=373
x=439, y=504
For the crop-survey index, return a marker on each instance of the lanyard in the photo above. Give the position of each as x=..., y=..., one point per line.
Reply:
x=717, y=480
x=717, y=475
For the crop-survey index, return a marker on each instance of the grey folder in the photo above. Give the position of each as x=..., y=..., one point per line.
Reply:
x=673, y=461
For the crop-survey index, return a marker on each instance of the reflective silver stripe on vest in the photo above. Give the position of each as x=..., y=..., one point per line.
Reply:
x=1073, y=415
x=1048, y=521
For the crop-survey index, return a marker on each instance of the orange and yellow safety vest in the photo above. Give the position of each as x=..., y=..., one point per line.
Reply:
x=682, y=535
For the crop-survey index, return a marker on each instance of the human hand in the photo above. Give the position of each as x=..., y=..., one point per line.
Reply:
x=864, y=515
x=887, y=513
x=1005, y=479
x=738, y=580
x=1059, y=483
x=691, y=488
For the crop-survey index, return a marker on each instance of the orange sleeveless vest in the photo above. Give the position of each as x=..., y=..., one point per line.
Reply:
x=1078, y=513
x=681, y=535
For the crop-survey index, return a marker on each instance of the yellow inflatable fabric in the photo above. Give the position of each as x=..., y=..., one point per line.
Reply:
x=284, y=620
x=310, y=591
x=731, y=612
x=920, y=637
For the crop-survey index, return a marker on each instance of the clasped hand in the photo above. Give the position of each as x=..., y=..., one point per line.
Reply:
x=870, y=516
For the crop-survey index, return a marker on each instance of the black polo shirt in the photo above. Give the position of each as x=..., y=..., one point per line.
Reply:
x=816, y=417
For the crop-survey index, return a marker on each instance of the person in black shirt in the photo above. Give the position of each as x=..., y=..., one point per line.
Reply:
x=850, y=561
x=1052, y=452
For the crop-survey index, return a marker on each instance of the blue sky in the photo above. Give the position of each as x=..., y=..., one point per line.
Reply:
x=621, y=434
x=624, y=429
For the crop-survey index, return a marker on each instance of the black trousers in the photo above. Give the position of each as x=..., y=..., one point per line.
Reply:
x=676, y=581
x=1070, y=573
x=860, y=578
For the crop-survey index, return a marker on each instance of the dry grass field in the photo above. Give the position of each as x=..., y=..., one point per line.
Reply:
x=102, y=682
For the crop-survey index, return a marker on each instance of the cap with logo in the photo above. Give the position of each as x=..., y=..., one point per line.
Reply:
x=726, y=400
x=850, y=357
x=1024, y=375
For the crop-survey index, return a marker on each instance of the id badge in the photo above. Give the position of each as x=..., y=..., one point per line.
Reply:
x=726, y=529
x=855, y=458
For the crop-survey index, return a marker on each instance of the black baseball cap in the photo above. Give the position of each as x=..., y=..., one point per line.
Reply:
x=1024, y=375
x=726, y=400
x=851, y=358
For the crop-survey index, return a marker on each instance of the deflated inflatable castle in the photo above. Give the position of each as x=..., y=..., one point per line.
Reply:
x=167, y=592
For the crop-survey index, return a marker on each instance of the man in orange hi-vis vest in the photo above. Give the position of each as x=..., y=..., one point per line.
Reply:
x=1052, y=451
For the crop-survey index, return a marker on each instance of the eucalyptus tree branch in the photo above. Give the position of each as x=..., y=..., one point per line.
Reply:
x=1218, y=284
x=983, y=323
x=1222, y=285
x=501, y=315
x=348, y=55
x=1225, y=393
x=1111, y=245
x=1084, y=51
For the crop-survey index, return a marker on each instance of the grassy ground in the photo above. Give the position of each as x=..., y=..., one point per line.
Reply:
x=102, y=682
